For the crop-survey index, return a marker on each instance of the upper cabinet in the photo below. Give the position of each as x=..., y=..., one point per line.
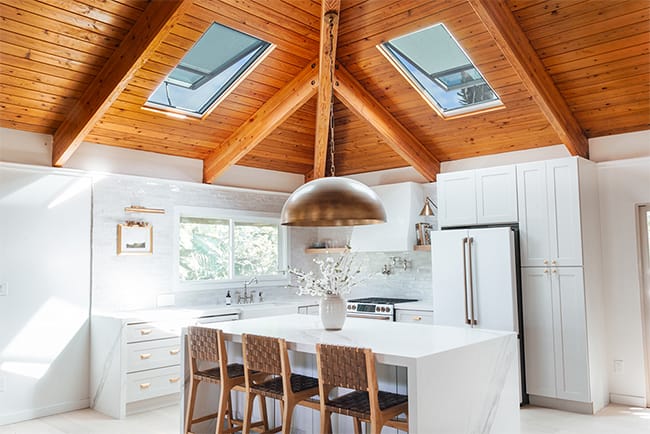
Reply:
x=549, y=213
x=403, y=203
x=482, y=196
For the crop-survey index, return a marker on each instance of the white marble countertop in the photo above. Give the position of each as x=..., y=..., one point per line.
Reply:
x=398, y=344
x=415, y=305
x=172, y=313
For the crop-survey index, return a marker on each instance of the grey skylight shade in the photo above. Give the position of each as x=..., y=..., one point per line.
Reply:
x=437, y=65
x=213, y=64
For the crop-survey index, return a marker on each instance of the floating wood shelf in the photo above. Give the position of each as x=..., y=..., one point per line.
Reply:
x=325, y=250
x=426, y=248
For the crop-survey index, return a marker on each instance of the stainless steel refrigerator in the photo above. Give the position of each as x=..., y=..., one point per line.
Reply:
x=476, y=281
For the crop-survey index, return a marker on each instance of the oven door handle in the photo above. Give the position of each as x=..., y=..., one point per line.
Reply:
x=378, y=317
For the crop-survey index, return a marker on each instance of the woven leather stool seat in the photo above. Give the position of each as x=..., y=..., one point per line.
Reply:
x=357, y=403
x=273, y=388
x=213, y=375
x=269, y=356
x=354, y=368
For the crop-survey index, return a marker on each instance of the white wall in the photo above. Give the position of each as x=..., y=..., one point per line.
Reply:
x=31, y=148
x=45, y=261
x=623, y=185
x=620, y=147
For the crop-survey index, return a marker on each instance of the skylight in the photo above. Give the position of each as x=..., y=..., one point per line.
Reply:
x=214, y=64
x=437, y=66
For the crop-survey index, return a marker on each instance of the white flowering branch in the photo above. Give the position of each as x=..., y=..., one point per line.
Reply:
x=337, y=276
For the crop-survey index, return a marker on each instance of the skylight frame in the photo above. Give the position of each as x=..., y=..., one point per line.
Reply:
x=483, y=107
x=224, y=91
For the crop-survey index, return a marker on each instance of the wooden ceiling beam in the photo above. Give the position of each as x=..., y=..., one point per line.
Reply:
x=151, y=28
x=399, y=138
x=262, y=123
x=328, y=36
x=516, y=47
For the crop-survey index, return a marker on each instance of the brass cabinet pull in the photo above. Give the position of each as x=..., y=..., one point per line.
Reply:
x=145, y=356
x=145, y=385
x=174, y=351
x=174, y=379
x=145, y=332
x=417, y=318
x=545, y=270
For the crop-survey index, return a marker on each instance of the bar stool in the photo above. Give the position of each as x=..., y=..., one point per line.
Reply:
x=268, y=355
x=354, y=368
x=208, y=345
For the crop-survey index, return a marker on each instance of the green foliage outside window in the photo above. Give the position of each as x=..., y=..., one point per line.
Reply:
x=205, y=249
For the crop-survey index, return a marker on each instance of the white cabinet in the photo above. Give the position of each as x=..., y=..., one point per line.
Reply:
x=414, y=316
x=561, y=284
x=482, y=196
x=549, y=213
x=135, y=363
x=403, y=203
x=555, y=333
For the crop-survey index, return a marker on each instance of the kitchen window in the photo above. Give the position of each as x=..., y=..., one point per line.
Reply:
x=220, y=247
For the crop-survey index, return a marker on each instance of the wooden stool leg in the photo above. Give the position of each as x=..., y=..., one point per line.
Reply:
x=263, y=413
x=325, y=422
x=248, y=411
x=357, y=425
x=224, y=399
x=190, y=406
x=231, y=424
x=287, y=414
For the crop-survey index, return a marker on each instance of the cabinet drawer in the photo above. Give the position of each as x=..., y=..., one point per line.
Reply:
x=414, y=316
x=153, y=354
x=153, y=383
x=152, y=330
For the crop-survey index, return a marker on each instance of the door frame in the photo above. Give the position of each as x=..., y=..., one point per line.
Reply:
x=644, y=280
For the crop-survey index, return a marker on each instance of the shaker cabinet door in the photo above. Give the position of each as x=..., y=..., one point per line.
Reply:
x=564, y=209
x=539, y=343
x=534, y=223
x=496, y=195
x=457, y=198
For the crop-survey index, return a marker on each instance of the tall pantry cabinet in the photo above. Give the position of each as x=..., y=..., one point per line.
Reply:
x=561, y=290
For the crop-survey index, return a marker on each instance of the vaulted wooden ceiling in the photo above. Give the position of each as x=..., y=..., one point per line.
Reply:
x=566, y=71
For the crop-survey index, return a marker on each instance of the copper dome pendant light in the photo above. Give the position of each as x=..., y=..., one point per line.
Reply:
x=333, y=201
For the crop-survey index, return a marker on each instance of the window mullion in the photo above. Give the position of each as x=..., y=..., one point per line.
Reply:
x=232, y=249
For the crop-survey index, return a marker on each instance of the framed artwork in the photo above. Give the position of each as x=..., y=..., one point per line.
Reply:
x=134, y=238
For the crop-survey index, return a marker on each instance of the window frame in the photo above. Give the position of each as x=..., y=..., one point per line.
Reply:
x=471, y=110
x=223, y=93
x=239, y=216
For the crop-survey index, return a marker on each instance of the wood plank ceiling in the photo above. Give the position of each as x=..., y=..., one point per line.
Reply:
x=566, y=70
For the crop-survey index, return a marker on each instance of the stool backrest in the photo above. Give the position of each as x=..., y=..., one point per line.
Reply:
x=206, y=344
x=340, y=366
x=262, y=353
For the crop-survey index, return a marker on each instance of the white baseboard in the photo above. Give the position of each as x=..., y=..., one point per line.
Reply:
x=633, y=401
x=562, y=404
x=33, y=413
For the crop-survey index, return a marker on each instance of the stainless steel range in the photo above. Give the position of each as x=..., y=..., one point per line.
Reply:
x=382, y=308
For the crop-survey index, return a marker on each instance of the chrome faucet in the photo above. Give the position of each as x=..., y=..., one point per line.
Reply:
x=246, y=297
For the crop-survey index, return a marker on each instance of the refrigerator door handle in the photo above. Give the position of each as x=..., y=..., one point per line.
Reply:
x=472, y=318
x=467, y=318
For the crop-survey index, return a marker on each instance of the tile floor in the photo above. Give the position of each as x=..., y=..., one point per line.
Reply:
x=615, y=419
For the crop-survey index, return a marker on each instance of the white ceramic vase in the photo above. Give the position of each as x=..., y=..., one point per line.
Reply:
x=332, y=312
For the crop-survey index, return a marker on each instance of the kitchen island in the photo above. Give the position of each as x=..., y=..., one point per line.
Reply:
x=459, y=380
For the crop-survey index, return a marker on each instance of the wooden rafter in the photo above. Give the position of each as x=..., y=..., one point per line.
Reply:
x=328, y=36
x=403, y=142
x=136, y=48
x=256, y=128
x=516, y=47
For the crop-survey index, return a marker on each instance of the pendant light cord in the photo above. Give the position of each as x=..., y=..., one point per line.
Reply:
x=331, y=134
